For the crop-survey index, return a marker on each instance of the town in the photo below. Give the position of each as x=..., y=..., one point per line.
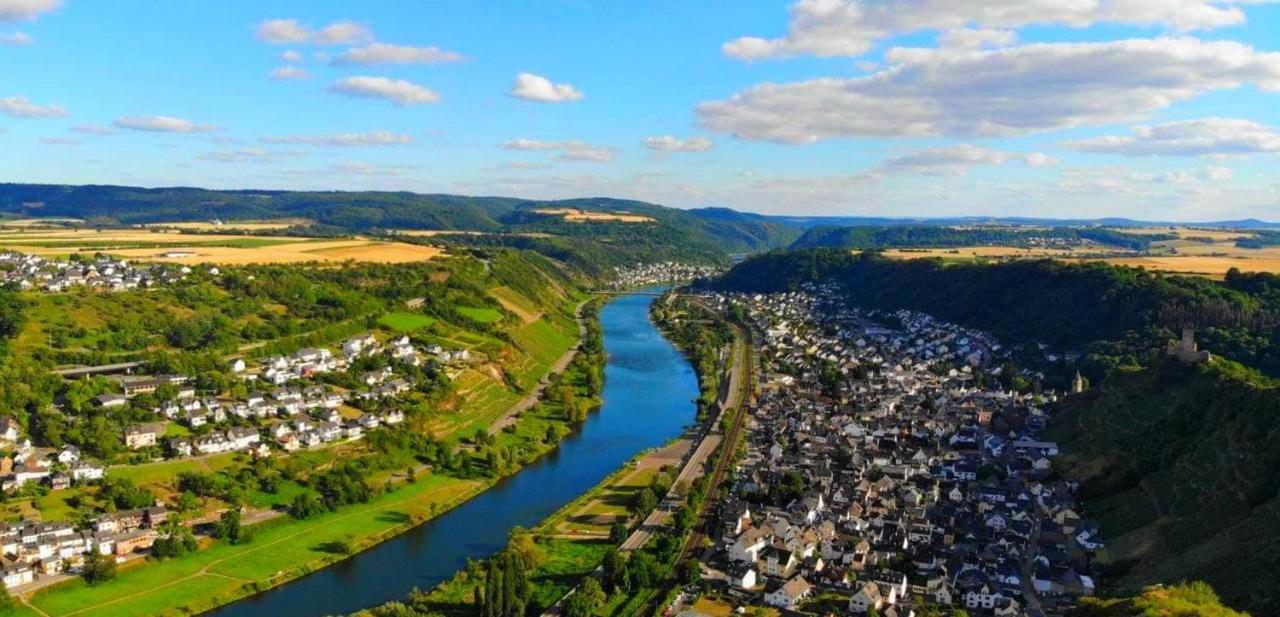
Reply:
x=33, y=272
x=300, y=411
x=879, y=473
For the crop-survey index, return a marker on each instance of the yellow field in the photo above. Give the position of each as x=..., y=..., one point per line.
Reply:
x=295, y=252
x=580, y=216
x=198, y=248
x=23, y=223
x=1182, y=256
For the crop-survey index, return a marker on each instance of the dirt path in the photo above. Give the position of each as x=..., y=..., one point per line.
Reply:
x=509, y=416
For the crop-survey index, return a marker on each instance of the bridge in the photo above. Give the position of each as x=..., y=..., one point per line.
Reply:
x=103, y=369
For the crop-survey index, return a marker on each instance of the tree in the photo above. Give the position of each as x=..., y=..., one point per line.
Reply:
x=618, y=533
x=586, y=600
x=228, y=527
x=643, y=502
x=305, y=505
x=614, y=568
x=98, y=568
x=690, y=572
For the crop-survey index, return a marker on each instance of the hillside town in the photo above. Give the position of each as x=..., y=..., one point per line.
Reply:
x=659, y=273
x=878, y=472
x=296, y=411
x=32, y=272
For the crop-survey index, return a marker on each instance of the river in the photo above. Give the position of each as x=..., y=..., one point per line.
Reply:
x=648, y=398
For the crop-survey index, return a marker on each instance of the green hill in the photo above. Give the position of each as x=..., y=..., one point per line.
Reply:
x=708, y=234
x=940, y=236
x=1183, y=600
x=1178, y=465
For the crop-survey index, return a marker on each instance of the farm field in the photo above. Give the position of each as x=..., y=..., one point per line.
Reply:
x=405, y=322
x=229, y=225
x=1201, y=252
x=583, y=216
x=225, y=249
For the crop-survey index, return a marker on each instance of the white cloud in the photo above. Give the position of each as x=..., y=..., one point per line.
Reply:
x=15, y=39
x=955, y=160
x=398, y=91
x=1217, y=173
x=244, y=155
x=92, y=129
x=282, y=31
x=289, y=73
x=343, y=33
x=831, y=28
x=59, y=141
x=161, y=124
x=667, y=143
x=288, y=31
x=366, y=169
x=1008, y=91
x=976, y=38
x=538, y=88
x=20, y=10
x=290, y=55
x=21, y=107
x=572, y=150
x=1202, y=137
x=385, y=53
x=375, y=138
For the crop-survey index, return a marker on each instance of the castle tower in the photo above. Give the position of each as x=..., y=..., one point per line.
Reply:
x=1077, y=384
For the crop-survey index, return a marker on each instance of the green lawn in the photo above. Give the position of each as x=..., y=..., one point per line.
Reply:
x=480, y=314
x=279, y=550
x=401, y=321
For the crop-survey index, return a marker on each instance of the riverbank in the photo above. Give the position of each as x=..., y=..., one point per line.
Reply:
x=284, y=549
x=646, y=398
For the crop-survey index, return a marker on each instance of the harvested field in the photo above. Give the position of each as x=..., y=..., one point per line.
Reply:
x=582, y=216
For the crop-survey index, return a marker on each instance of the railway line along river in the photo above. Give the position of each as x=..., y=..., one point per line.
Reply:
x=647, y=401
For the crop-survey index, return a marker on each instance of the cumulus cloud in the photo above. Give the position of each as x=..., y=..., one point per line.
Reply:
x=289, y=73
x=1202, y=137
x=375, y=138
x=15, y=39
x=830, y=28
x=386, y=53
x=161, y=124
x=572, y=150
x=290, y=55
x=21, y=107
x=955, y=160
x=290, y=31
x=21, y=10
x=1008, y=91
x=667, y=143
x=538, y=88
x=398, y=91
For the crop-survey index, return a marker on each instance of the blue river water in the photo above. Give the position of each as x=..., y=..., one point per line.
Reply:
x=648, y=398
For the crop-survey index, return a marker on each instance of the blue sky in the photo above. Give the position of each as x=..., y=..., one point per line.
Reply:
x=1144, y=108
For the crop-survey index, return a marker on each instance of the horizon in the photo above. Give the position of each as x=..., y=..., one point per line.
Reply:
x=817, y=108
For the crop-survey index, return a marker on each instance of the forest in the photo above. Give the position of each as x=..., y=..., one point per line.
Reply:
x=936, y=236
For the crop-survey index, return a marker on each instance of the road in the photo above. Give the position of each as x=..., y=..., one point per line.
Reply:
x=695, y=467
x=509, y=416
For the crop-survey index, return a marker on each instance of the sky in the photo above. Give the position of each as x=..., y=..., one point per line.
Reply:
x=1152, y=109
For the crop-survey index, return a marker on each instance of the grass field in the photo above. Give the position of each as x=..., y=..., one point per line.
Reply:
x=278, y=552
x=480, y=314
x=405, y=322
